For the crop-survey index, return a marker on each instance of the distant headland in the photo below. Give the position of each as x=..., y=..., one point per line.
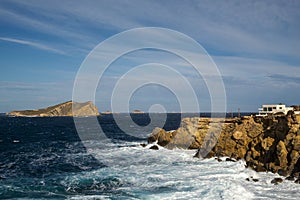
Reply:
x=68, y=108
x=138, y=112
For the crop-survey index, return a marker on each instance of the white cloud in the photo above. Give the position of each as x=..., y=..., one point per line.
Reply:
x=259, y=40
x=268, y=28
x=252, y=68
x=32, y=44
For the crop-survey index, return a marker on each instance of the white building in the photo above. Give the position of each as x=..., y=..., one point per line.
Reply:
x=273, y=109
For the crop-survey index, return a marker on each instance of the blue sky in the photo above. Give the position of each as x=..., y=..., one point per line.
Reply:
x=255, y=44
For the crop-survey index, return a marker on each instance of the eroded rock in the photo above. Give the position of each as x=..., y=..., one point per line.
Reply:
x=269, y=143
x=276, y=181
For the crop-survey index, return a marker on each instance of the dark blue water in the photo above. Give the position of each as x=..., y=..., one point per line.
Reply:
x=39, y=157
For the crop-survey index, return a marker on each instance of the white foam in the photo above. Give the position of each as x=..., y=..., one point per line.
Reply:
x=175, y=174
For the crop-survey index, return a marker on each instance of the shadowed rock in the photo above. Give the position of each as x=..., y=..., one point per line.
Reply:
x=154, y=147
x=161, y=136
x=276, y=181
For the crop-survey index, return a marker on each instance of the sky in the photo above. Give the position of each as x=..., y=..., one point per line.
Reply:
x=254, y=44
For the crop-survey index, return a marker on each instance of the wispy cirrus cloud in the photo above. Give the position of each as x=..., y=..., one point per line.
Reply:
x=32, y=44
x=260, y=29
x=285, y=79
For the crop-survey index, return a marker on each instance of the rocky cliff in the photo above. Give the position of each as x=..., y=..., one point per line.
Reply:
x=64, y=109
x=269, y=143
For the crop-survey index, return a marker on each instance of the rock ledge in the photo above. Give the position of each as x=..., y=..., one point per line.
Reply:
x=269, y=143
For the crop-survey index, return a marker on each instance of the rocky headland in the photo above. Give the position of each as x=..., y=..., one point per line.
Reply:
x=68, y=108
x=270, y=143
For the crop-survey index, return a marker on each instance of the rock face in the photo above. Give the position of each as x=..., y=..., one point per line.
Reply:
x=296, y=107
x=64, y=109
x=269, y=143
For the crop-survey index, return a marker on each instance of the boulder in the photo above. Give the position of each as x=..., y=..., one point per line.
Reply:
x=154, y=147
x=276, y=181
x=230, y=159
x=290, y=178
x=161, y=136
x=143, y=145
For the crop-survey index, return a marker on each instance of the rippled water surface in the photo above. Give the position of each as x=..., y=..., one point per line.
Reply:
x=45, y=158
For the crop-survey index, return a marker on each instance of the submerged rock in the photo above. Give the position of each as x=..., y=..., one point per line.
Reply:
x=143, y=145
x=154, y=147
x=230, y=159
x=275, y=181
x=252, y=179
x=290, y=178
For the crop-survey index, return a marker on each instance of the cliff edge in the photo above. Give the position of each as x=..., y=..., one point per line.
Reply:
x=68, y=108
x=270, y=143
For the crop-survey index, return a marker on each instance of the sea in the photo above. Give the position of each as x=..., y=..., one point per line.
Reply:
x=45, y=158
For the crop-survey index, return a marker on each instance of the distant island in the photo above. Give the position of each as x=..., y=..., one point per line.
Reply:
x=138, y=112
x=106, y=112
x=68, y=108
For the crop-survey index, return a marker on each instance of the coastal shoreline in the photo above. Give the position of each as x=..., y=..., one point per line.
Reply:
x=267, y=144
